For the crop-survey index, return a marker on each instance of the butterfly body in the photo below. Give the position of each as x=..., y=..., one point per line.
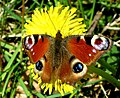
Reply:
x=64, y=58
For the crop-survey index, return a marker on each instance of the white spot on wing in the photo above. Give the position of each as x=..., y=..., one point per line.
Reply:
x=93, y=40
x=82, y=37
x=89, y=54
x=39, y=37
x=27, y=44
x=104, y=44
x=31, y=49
x=33, y=53
x=94, y=51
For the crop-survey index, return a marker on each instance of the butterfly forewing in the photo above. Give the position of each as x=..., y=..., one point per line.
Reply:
x=88, y=49
x=36, y=46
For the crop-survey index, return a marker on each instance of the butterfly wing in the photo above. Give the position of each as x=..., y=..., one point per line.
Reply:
x=39, y=49
x=78, y=52
x=65, y=59
x=88, y=49
x=36, y=46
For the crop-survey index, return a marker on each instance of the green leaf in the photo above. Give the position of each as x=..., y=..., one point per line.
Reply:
x=111, y=59
x=114, y=50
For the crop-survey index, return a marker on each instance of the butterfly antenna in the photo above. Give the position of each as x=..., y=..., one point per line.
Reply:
x=51, y=20
x=54, y=24
x=64, y=23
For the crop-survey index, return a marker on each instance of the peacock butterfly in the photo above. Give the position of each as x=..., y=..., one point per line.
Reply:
x=64, y=58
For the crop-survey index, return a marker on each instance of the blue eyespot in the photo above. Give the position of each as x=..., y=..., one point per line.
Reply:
x=78, y=67
x=39, y=65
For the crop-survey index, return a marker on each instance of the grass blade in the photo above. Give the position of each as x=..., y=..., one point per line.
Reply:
x=8, y=77
x=11, y=61
x=105, y=75
x=24, y=87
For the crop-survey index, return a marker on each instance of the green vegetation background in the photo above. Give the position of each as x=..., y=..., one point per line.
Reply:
x=13, y=61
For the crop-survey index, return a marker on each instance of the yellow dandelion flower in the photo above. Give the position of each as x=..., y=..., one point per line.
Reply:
x=48, y=86
x=39, y=80
x=66, y=88
x=49, y=22
x=60, y=89
x=43, y=85
x=35, y=76
x=56, y=18
x=31, y=66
